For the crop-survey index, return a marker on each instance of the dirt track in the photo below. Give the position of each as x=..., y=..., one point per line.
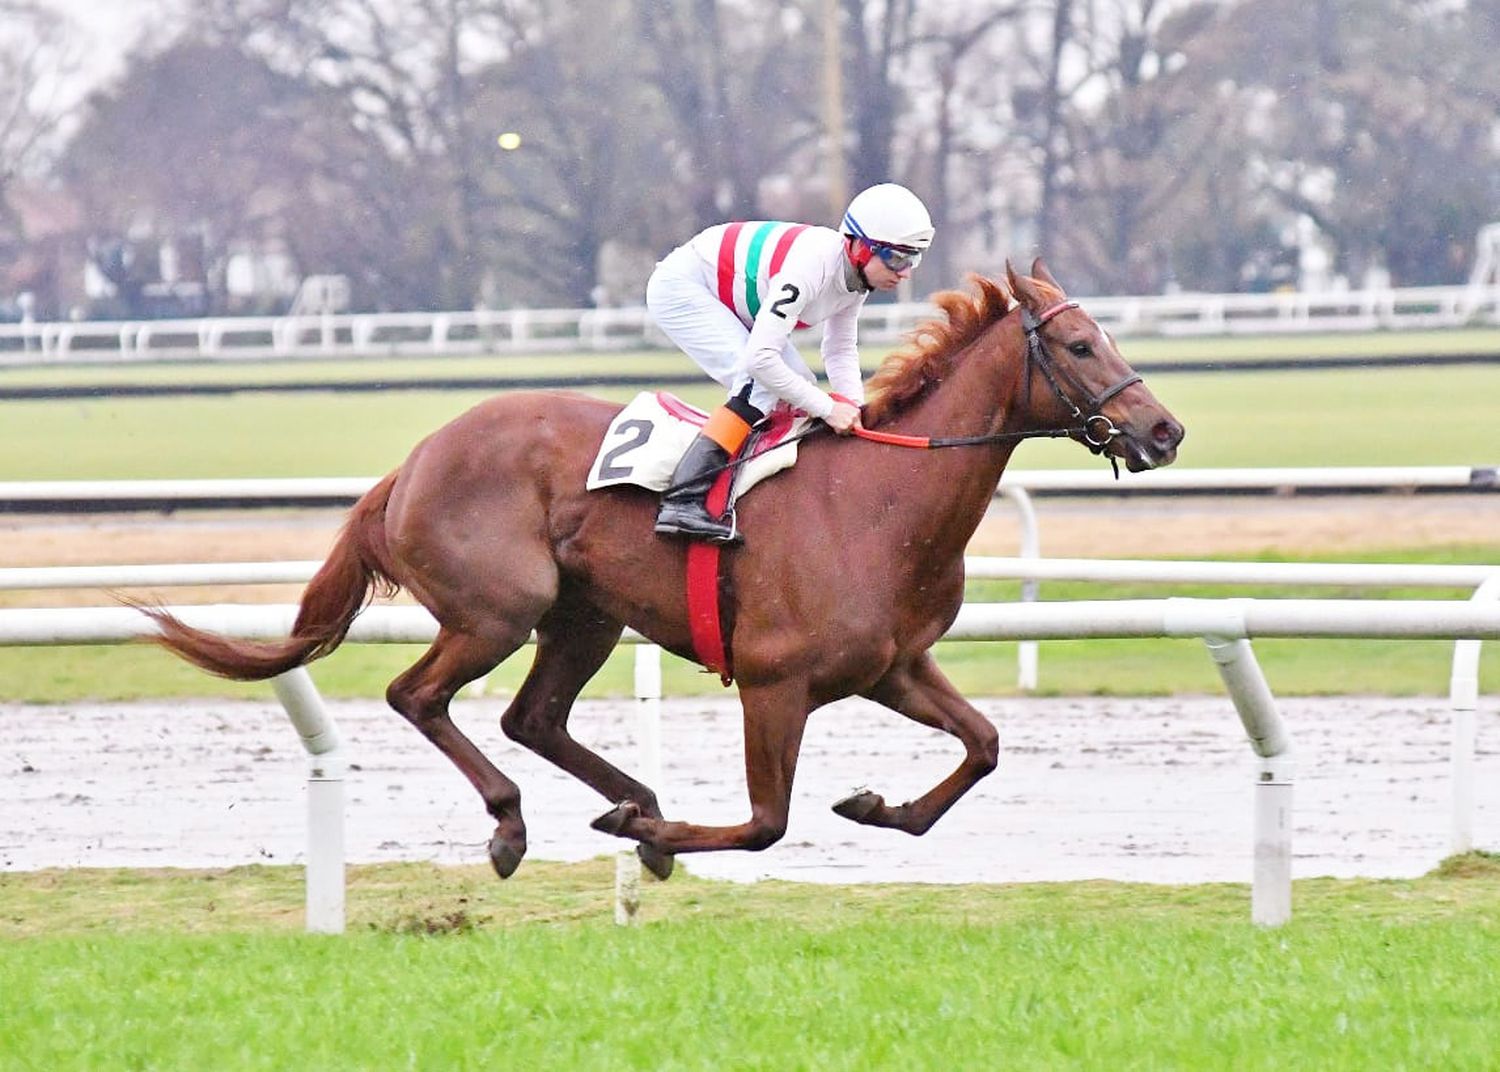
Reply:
x=1149, y=790
x=1157, y=790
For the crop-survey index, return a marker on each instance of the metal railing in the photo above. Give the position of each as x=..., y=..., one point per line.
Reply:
x=523, y=331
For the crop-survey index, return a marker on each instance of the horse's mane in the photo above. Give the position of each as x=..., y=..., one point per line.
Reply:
x=930, y=351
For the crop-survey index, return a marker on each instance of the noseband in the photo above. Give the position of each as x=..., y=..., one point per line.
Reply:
x=1097, y=429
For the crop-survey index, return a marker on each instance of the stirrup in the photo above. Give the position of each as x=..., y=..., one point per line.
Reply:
x=697, y=525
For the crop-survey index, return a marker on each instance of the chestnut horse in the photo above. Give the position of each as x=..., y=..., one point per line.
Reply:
x=852, y=567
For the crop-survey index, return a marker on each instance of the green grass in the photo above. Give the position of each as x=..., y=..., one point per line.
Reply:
x=394, y=370
x=1388, y=416
x=1067, y=668
x=1079, y=667
x=1392, y=416
x=367, y=370
x=448, y=968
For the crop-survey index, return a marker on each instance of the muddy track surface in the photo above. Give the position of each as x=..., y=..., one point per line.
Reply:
x=1156, y=790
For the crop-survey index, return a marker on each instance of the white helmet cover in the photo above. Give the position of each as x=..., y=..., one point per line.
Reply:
x=891, y=214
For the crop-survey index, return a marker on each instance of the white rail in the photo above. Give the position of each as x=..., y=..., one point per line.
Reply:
x=1177, y=571
x=1226, y=627
x=547, y=330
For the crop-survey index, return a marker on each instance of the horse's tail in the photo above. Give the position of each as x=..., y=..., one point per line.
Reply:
x=358, y=563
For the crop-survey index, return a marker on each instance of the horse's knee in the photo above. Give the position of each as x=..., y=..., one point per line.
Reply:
x=514, y=725
x=985, y=754
x=411, y=705
x=763, y=832
x=525, y=726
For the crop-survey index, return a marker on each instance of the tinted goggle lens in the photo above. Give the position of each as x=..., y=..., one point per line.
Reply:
x=895, y=258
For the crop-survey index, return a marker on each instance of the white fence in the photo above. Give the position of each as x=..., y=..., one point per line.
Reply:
x=548, y=330
x=1225, y=626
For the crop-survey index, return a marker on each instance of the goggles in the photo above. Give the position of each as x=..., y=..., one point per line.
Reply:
x=896, y=258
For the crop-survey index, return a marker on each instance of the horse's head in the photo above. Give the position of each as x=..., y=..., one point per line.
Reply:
x=1078, y=378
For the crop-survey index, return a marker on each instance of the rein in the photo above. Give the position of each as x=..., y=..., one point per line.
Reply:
x=1096, y=430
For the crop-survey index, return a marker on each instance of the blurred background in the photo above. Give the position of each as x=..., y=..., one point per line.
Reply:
x=179, y=158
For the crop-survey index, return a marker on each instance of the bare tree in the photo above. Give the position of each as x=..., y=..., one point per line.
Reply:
x=37, y=60
x=36, y=63
x=962, y=53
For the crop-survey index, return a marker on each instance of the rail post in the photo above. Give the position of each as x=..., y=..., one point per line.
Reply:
x=325, y=799
x=1031, y=549
x=1222, y=625
x=648, y=731
x=1463, y=698
x=1271, y=885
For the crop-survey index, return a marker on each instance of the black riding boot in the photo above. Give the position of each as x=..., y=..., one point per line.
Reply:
x=683, y=509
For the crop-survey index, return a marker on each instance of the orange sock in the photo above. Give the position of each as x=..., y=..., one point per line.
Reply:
x=727, y=428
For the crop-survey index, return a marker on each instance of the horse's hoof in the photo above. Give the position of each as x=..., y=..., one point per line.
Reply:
x=505, y=857
x=858, y=805
x=657, y=862
x=614, y=820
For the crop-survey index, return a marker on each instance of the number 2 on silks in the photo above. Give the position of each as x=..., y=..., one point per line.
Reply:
x=789, y=295
x=632, y=434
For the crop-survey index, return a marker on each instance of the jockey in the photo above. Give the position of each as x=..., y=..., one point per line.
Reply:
x=730, y=297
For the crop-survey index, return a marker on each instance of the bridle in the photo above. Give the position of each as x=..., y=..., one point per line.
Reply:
x=1096, y=429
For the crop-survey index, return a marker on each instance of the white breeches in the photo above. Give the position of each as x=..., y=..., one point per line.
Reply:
x=693, y=318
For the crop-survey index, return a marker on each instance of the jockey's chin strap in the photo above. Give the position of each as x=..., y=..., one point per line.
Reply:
x=1095, y=430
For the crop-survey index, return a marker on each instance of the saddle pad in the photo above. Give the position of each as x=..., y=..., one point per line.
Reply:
x=649, y=436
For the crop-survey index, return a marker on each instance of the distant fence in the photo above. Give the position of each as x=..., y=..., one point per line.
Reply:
x=520, y=331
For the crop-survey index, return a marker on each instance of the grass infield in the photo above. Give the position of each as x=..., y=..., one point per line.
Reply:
x=376, y=368
x=449, y=968
x=1384, y=416
x=1067, y=667
x=1327, y=417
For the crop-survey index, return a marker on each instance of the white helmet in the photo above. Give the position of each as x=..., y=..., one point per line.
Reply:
x=891, y=215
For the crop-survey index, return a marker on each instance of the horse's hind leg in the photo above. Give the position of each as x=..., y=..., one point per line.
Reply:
x=422, y=695
x=775, y=716
x=573, y=640
x=921, y=692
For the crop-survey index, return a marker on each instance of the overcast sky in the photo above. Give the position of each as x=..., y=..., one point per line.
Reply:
x=108, y=28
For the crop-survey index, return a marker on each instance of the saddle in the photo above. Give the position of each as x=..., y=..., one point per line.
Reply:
x=642, y=447
x=648, y=437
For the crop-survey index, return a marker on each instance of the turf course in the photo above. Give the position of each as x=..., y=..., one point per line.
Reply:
x=1385, y=416
x=395, y=370
x=447, y=968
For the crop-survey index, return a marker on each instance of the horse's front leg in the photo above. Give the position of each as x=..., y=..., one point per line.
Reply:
x=921, y=692
x=775, y=717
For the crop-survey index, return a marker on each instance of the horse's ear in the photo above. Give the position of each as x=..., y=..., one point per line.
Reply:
x=1021, y=287
x=1039, y=271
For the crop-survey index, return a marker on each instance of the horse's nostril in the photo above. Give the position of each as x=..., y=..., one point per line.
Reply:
x=1167, y=433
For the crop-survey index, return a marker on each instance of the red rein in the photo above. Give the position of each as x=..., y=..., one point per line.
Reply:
x=889, y=438
x=923, y=442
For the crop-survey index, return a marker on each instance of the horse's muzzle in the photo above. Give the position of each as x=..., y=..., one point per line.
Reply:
x=1149, y=450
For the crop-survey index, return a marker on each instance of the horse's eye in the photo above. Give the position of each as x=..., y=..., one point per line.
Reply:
x=1078, y=349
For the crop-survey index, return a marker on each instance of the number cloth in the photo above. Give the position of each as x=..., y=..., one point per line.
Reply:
x=730, y=296
x=647, y=438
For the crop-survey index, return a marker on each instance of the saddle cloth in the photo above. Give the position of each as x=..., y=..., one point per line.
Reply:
x=648, y=437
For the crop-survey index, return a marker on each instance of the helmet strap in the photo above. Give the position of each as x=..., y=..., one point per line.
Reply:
x=858, y=255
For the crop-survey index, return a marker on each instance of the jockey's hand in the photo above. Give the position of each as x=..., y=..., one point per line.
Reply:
x=844, y=419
